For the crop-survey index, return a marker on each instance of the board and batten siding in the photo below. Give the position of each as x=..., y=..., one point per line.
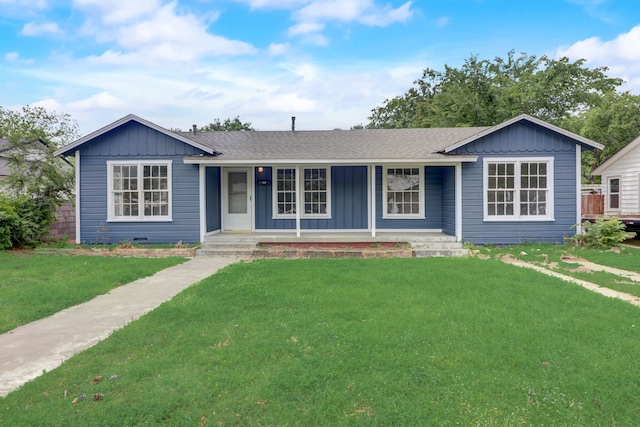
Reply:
x=521, y=139
x=627, y=168
x=213, y=194
x=348, y=202
x=135, y=142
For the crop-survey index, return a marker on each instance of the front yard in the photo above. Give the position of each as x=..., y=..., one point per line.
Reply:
x=356, y=342
x=37, y=286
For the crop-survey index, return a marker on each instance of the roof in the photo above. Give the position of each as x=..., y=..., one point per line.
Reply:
x=615, y=157
x=400, y=145
x=67, y=149
x=581, y=139
x=436, y=145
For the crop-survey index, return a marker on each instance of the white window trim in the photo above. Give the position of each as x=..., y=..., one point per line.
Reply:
x=421, y=190
x=516, y=217
x=609, y=208
x=140, y=218
x=299, y=197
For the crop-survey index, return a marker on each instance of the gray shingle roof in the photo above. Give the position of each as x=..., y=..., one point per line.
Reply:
x=363, y=144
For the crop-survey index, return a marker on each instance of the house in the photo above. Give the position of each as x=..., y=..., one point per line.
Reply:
x=514, y=182
x=621, y=184
x=4, y=164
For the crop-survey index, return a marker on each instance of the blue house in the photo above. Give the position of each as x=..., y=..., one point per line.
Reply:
x=514, y=182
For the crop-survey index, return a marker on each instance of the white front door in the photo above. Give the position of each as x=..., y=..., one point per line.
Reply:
x=237, y=194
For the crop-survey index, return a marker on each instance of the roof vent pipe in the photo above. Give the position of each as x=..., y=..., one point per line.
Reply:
x=195, y=128
x=293, y=123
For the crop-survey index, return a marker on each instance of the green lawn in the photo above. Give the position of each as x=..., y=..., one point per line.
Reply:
x=37, y=286
x=357, y=342
x=551, y=256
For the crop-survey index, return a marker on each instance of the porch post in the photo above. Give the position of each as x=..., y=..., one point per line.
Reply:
x=78, y=237
x=458, y=222
x=298, y=203
x=203, y=201
x=372, y=210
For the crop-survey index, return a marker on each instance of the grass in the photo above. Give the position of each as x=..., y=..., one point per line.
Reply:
x=37, y=286
x=357, y=342
x=551, y=256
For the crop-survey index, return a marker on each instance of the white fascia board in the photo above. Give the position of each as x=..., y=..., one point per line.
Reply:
x=531, y=119
x=126, y=119
x=600, y=169
x=195, y=160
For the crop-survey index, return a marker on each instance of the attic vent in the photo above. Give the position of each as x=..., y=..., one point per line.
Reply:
x=293, y=123
x=195, y=129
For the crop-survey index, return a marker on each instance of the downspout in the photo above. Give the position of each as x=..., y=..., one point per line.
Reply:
x=298, y=203
x=78, y=237
x=578, y=189
x=372, y=190
x=203, y=201
x=458, y=197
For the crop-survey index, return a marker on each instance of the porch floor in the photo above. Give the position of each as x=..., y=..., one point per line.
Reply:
x=328, y=237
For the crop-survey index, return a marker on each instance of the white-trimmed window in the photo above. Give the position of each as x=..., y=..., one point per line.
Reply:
x=403, y=189
x=518, y=189
x=315, y=189
x=613, y=191
x=139, y=191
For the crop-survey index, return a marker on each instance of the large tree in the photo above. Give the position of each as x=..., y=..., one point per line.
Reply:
x=484, y=93
x=228, y=124
x=38, y=181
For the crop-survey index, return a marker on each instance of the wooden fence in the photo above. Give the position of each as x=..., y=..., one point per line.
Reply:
x=592, y=204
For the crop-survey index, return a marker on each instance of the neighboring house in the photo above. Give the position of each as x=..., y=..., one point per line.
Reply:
x=64, y=226
x=621, y=184
x=514, y=182
x=4, y=165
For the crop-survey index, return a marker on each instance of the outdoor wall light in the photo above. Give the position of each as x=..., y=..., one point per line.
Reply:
x=260, y=169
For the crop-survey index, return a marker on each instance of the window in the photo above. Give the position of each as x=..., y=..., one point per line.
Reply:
x=614, y=193
x=518, y=189
x=139, y=191
x=315, y=193
x=403, y=192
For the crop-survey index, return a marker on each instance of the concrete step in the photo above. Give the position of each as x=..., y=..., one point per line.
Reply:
x=436, y=245
x=240, y=252
x=427, y=253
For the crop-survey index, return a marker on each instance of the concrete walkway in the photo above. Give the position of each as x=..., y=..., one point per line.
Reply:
x=29, y=350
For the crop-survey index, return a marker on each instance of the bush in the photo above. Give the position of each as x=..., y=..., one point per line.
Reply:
x=8, y=222
x=605, y=233
x=24, y=221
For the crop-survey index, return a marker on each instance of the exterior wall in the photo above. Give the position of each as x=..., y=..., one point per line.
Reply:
x=627, y=168
x=65, y=224
x=522, y=139
x=349, y=202
x=213, y=199
x=133, y=141
x=432, y=206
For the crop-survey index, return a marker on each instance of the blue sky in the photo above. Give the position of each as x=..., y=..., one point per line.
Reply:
x=327, y=62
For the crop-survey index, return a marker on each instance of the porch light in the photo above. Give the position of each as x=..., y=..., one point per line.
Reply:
x=260, y=169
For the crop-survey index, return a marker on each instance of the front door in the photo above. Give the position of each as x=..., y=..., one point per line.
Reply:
x=237, y=199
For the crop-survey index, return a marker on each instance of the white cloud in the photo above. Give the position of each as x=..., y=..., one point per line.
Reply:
x=100, y=101
x=160, y=35
x=621, y=55
x=117, y=11
x=46, y=28
x=11, y=56
x=362, y=11
x=278, y=48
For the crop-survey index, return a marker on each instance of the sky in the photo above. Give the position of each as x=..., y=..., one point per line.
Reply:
x=327, y=62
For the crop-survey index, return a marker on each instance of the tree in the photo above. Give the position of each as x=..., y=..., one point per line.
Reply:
x=38, y=181
x=227, y=125
x=485, y=93
x=614, y=122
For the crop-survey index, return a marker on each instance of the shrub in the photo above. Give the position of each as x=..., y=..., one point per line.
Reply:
x=605, y=233
x=24, y=220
